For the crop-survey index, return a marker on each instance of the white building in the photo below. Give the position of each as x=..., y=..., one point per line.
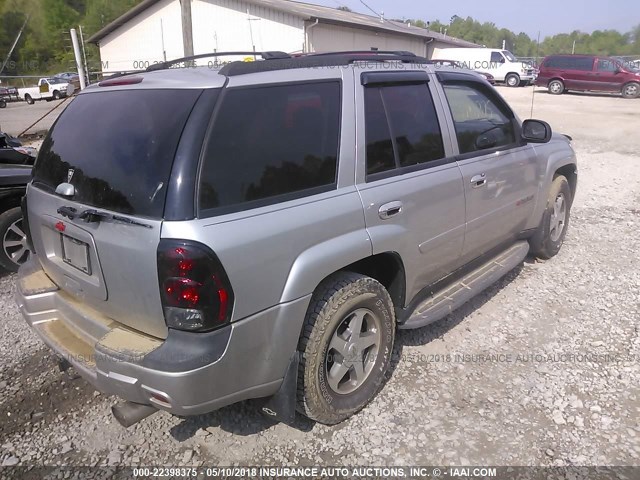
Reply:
x=152, y=31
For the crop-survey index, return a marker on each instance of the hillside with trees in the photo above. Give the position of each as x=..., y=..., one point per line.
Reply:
x=599, y=42
x=45, y=45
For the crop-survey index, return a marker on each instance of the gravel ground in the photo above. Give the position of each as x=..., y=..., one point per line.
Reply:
x=19, y=116
x=541, y=369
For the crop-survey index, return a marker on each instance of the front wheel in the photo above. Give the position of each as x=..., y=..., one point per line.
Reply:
x=15, y=248
x=512, y=80
x=549, y=236
x=556, y=87
x=346, y=345
x=631, y=90
x=3, y=104
x=56, y=95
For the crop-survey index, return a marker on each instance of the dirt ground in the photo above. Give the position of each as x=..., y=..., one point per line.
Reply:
x=541, y=369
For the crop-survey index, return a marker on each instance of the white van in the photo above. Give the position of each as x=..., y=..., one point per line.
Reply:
x=502, y=64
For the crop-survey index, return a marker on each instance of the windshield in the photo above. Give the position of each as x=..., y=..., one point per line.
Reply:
x=54, y=81
x=509, y=56
x=116, y=148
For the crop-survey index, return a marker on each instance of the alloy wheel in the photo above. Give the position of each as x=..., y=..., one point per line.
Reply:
x=558, y=218
x=14, y=243
x=353, y=351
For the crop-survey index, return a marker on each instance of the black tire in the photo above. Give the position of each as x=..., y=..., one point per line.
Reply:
x=9, y=239
x=29, y=100
x=338, y=301
x=556, y=87
x=631, y=90
x=512, y=80
x=547, y=240
x=3, y=104
x=56, y=95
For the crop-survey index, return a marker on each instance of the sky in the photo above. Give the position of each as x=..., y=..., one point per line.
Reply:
x=530, y=17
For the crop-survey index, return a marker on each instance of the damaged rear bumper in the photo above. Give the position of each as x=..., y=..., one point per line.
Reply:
x=186, y=373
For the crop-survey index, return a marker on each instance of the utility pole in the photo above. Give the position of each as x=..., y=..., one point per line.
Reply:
x=573, y=49
x=15, y=42
x=164, y=52
x=187, y=27
x=76, y=52
x=84, y=54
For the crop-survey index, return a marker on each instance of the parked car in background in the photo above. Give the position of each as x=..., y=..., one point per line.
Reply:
x=186, y=264
x=451, y=63
x=48, y=89
x=8, y=94
x=562, y=73
x=502, y=64
x=15, y=172
x=71, y=77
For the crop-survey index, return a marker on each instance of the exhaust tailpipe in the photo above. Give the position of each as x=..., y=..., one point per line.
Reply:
x=129, y=413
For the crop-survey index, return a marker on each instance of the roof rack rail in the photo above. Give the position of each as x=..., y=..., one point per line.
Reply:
x=399, y=53
x=270, y=55
x=332, y=59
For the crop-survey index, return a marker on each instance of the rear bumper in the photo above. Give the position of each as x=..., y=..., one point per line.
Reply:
x=186, y=373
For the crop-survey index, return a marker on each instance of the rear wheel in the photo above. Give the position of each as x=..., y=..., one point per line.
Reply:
x=556, y=87
x=28, y=99
x=346, y=347
x=2, y=103
x=512, y=80
x=549, y=236
x=631, y=90
x=15, y=249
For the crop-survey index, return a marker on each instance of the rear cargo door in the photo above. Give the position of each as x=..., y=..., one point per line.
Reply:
x=98, y=196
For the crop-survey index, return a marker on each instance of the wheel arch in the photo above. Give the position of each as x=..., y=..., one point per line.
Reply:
x=388, y=269
x=9, y=202
x=570, y=172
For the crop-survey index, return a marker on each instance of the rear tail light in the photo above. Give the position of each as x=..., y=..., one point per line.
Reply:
x=195, y=290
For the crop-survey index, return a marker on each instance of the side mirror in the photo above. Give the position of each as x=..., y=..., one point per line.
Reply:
x=536, y=131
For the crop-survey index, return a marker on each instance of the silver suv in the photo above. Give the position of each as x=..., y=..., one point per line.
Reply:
x=205, y=236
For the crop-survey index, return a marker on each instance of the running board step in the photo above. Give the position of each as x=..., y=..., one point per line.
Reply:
x=445, y=301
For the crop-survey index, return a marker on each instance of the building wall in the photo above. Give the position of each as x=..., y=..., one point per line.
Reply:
x=324, y=38
x=432, y=46
x=235, y=25
x=230, y=25
x=140, y=40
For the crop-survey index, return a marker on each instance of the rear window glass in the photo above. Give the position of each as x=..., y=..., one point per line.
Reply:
x=117, y=148
x=271, y=144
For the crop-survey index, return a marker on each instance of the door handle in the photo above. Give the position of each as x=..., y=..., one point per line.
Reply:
x=479, y=180
x=390, y=209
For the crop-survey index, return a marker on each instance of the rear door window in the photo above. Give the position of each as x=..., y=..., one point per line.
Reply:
x=116, y=148
x=271, y=144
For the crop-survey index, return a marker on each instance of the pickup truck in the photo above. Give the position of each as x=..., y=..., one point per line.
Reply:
x=47, y=89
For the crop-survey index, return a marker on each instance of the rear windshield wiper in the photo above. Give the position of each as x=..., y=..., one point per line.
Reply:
x=92, y=216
